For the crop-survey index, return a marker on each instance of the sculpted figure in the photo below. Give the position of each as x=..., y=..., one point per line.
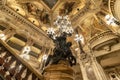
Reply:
x=61, y=51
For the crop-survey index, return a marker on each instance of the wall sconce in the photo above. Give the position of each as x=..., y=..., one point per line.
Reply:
x=25, y=53
x=3, y=37
x=110, y=20
x=44, y=57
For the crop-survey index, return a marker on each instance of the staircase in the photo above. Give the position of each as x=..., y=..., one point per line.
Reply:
x=13, y=67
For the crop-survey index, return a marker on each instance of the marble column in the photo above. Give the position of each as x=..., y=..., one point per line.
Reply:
x=99, y=71
x=83, y=70
x=87, y=63
x=91, y=69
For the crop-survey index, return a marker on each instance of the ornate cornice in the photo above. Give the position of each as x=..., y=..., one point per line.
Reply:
x=20, y=22
x=102, y=39
x=20, y=18
x=114, y=7
x=84, y=13
x=111, y=6
x=81, y=12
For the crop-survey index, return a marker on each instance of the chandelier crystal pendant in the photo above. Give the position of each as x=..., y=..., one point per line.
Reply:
x=64, y=26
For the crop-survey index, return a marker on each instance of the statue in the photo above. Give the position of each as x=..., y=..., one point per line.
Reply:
x=41, y=14
x=67, y=8
x=31, y=8
x=44, y=16
x=61, y=51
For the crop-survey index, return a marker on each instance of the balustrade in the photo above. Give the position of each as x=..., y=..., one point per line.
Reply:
x=14, y=67
x=102, y=39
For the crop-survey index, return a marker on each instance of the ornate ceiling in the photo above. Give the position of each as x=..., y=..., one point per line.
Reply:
x=43, y=13
x=87, y=17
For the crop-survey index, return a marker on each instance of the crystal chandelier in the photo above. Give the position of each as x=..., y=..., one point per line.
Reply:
x=62, y=49
x=64, y=27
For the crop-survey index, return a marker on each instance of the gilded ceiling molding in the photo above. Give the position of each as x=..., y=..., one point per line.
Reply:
x=56, y=5
x=2, y=2
x=17, y=19
x=84, y=13
x=81, y=12
x=111, y=6
x=20, y=18
x=44, y=5
x=24, y=1
x=114, y=7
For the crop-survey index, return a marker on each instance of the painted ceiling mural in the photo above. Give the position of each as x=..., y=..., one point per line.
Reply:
x=41, y=12
x=85, y=15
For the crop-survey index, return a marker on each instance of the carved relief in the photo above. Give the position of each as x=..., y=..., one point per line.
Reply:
x=87, y=63
x=90, y=72
x=31, y=8
x=68, y=7
x=41, y=14
x=44, y=16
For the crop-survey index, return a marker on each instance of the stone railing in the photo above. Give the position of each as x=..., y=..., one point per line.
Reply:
x=13, y=67
x=102, y=39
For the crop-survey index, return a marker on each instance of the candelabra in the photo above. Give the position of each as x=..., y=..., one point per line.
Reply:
x=111, y=20
x=62, y=49
x=80, y=40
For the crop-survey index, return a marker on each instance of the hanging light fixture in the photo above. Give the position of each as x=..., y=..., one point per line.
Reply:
x=25, y=53
x=62, y=47
x=64, y=26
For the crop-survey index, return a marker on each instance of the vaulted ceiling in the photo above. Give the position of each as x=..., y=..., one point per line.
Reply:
x=86, y=17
